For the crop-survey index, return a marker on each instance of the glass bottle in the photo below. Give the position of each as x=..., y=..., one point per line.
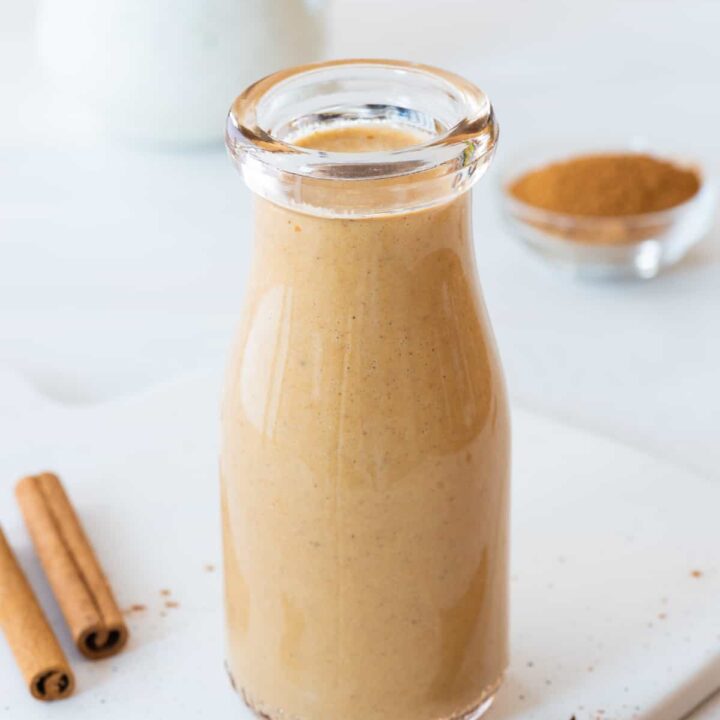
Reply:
x=365, y=425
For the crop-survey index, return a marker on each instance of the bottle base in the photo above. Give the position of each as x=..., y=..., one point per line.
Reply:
x=473, y=713
x=479, y=710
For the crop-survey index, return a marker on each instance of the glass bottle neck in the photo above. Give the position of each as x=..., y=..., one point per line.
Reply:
x=293, y=247
x=452, y=119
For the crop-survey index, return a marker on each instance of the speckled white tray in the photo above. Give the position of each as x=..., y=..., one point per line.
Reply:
x=608, y=621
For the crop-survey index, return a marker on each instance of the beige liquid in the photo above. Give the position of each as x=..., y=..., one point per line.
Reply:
x=365, y=467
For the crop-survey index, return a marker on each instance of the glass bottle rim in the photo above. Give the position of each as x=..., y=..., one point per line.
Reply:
x=456, y=118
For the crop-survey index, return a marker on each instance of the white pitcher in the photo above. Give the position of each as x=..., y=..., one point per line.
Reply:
x=167, y=70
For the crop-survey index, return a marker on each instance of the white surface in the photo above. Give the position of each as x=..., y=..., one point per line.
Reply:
x=603, y=545
x=120, y=268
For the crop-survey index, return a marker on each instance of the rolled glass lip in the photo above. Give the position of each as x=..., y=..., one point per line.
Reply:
x=467, y=143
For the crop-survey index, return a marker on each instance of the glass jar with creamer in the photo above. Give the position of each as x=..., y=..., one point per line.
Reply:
x=365, y=424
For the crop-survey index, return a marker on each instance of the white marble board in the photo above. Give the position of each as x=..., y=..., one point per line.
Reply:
x=608, y=620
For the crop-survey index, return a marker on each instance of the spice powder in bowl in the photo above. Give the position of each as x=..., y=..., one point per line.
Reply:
x=607, y=185
x=614, y=213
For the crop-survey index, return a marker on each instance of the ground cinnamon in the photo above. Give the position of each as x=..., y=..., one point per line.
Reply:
x=31, y=639
x=607, y=185
x=79, y=584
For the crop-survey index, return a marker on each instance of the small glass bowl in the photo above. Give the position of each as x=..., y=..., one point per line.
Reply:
x=629, y=246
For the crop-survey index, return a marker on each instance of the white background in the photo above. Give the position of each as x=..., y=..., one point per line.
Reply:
x=122, y=267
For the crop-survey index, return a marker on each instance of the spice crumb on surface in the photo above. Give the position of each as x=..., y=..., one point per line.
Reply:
x=134, y=608
x=165, y=592
x=696, y=573
x=172, y=604
x=209, y=567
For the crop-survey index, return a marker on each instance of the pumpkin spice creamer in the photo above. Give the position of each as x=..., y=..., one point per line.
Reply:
x=365, y=435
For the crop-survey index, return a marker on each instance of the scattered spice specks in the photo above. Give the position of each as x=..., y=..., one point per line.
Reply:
x=135, y=608
x=696, y=573
x=165, y=592
x=209, y=567
x=591, y=668
x=171, y=604
x=662, y=616
x=297, y=228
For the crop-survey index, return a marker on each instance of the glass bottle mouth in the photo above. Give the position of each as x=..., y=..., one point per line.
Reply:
x=455, y=119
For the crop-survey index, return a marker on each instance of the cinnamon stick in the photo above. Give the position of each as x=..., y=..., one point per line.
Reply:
x=32, y=641
x=74, y=573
